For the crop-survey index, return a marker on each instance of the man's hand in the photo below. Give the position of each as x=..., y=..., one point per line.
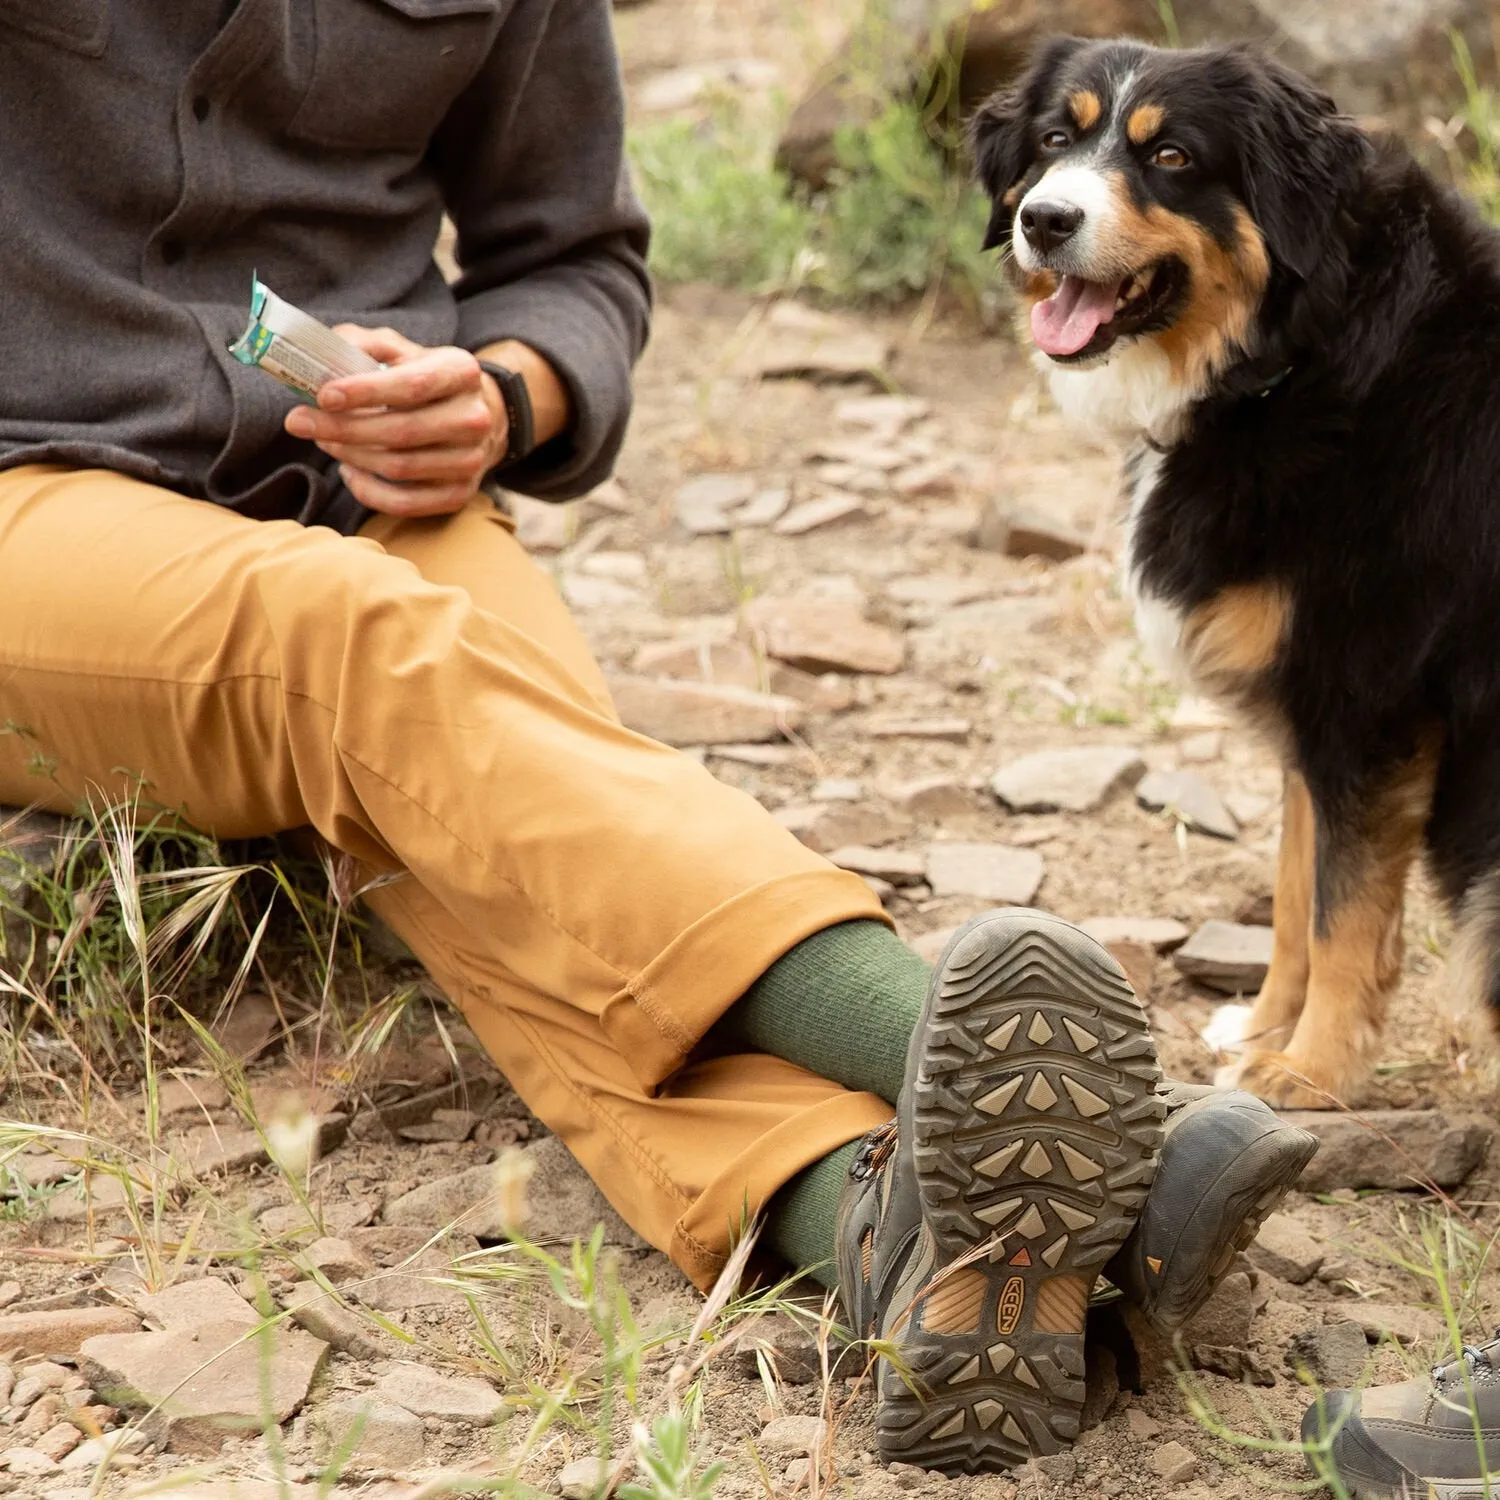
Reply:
x=416, y=438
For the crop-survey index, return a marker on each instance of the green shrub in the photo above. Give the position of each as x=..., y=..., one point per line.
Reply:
x=899, y=219
x=720, y=211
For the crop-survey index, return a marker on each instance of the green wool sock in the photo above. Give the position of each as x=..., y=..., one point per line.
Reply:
x=843, y=1004
x=800, y=1218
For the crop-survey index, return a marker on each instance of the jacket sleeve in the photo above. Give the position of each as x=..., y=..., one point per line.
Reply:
x=551, y=239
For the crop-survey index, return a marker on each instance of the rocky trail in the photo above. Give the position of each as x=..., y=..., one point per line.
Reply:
x=866, y=575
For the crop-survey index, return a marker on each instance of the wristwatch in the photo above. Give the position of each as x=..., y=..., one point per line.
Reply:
x=522, y=429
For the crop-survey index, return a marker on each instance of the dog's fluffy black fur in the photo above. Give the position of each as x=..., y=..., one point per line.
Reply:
x=1328, y=491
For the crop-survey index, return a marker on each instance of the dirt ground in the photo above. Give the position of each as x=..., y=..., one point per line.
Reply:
x=1032, y=655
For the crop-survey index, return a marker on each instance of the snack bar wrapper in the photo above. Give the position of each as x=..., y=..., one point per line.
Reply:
x=296, y=349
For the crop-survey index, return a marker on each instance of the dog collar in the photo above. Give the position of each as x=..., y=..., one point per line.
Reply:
x=1268, y=385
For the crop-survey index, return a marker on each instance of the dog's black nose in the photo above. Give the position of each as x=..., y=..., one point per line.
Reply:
x=1047, y=225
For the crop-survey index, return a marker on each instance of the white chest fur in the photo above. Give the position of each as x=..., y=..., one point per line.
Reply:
x=1157, y=623
x=1133, y=394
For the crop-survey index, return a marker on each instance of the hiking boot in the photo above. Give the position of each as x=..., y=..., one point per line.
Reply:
x=972, y=1227
x=1438, y=1437
x=1227, y=1159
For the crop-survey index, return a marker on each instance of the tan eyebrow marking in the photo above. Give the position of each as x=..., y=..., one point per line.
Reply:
x=1085, y=108
x=1145, y=120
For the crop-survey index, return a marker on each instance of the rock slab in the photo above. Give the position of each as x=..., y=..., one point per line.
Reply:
x=793, y=1435
x=562, y=1202
x=701, y=713
x=1077, y=779
x=449, y=1398
x=1391, y=1148
x=1227, y=956
x=62, y=1331
x=991, y=872
x=204, y=1378
x=1285, y=1249
x=1187, y=796
x=370, y=1433
x=1334, y=1354
x=824, y=635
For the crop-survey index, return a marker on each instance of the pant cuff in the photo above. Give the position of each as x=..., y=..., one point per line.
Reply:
x=663, y=1013
x=707, y=1233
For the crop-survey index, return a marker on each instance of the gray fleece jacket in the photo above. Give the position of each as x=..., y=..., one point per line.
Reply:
x=153, y=155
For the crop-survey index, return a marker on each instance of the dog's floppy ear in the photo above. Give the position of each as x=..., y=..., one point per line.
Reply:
x=1300, y=159
x=1002, y=136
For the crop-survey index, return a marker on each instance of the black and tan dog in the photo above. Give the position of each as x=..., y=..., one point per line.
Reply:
x=1300, y=329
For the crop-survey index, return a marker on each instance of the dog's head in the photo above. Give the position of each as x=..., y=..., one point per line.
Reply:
x=1155, y=195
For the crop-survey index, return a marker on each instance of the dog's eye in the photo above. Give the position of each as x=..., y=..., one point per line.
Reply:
x=1056, y=140
x=1173, y=158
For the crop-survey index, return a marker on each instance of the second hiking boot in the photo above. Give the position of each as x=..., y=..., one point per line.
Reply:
x=1227, y=1160
x=972, y=1229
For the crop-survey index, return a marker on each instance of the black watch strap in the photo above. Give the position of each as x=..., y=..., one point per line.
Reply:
x=517, y=400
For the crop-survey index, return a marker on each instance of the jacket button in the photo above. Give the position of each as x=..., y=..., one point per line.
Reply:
x=172, y=251
x=201, y=107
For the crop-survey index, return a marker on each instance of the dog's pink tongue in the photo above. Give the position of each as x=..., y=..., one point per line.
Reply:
x=1071, y=316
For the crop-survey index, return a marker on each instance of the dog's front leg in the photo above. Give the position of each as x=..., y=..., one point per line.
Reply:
x=1279, y=1004
x=1364, y=849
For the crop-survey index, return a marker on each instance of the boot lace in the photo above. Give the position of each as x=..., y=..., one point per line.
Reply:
x=1472, y=1356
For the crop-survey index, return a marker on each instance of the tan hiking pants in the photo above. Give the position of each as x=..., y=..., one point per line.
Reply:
x=591, y=900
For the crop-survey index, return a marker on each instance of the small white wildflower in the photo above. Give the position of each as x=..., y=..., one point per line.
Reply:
x=292, y=1139
x=513, y=1169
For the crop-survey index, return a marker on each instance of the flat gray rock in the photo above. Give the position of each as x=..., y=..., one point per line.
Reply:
x=935, y=797
x=1161, y=933
x=701, y=713
x=1335, y=1354
x=61, y=1330
x=795, y=340
x=1020, y=532
x=793, y=1435
x=202, y=1379
x=449, y=1398
x=1407, y=1326
x=562, y=1202
x=368, y=1433
x=1391, y=1148
x=1187, y=796
x=899, y=866
x=824, y=635
x=810, y=515
x=582, y=1478
x=991, y=872
x=1076, y=779
x=702, y=505
x=826, y=826
x=1226, y=956
x=1285, y=1249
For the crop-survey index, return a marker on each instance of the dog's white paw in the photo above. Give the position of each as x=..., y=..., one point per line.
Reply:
x=1226, y=1031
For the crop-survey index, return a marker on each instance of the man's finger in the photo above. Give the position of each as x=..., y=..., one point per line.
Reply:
x=419, y=381
x=459, y=419
x=446, y=465
x=384, y=344
x=405, y=500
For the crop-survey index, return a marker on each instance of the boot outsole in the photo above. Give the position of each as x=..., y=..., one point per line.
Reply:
x=1034, y=1126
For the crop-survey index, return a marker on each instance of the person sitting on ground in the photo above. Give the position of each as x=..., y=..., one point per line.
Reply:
x=265, y=616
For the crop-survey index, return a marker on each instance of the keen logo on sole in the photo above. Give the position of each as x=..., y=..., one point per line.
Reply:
x=1012, y=1300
